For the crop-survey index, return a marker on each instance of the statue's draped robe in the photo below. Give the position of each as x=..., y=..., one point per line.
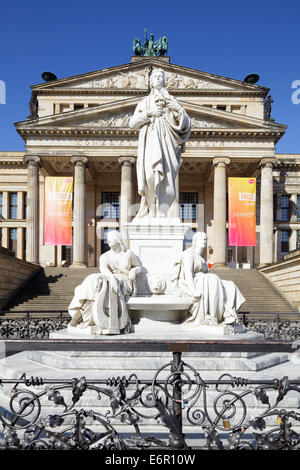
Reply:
x=94, y=297
x=159, y=151
x=217, y=300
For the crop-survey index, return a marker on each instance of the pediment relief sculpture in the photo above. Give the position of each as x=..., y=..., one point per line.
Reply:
x=176, y=80
x=111, y=120
x=137, y=79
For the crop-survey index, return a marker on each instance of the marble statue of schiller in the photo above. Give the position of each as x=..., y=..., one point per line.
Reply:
x=164, y=129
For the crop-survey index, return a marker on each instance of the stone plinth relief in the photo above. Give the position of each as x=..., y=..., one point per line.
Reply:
x=99, y=302
x=213, y=301
x=164, y=127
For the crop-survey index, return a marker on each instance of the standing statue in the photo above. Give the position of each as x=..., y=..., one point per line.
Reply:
x=137, y=46
x=213, y=301
x=268, y=108
x=100, y=300
x=164, y=129
x=150, y=47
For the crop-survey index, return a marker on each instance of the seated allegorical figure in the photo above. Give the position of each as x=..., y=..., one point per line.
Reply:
x=213, y=301
x=100, y=299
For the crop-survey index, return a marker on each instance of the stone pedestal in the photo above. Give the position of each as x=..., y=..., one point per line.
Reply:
x=158, y=244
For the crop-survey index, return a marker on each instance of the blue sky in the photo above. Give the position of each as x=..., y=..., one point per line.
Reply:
x=229, y=38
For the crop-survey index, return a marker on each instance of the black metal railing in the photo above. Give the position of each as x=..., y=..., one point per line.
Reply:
x=228, y=413
x=32, y=325
x=35, y=325
x=276, y=328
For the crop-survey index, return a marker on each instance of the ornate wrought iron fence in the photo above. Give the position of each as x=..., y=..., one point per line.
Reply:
x=275, y=328
x=32, y=325
x=175, y=398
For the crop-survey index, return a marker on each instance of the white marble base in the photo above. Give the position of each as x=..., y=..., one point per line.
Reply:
x=158, y=244
x=161, y=308
x=91, y=331
x=148, y=329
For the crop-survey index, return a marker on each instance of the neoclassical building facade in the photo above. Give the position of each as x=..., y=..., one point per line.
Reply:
x=79, y=126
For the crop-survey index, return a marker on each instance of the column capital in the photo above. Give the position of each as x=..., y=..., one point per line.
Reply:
x=221, y=161
x=126, y=161
x=79, y=160
x=267, y=162
x=32, y=160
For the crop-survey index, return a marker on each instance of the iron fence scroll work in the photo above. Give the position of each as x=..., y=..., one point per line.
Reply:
x=229, y=413
x=30, y=325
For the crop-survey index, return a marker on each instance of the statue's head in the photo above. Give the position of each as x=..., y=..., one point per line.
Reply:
x=114, y=238
x=199, y=240
x=158, y=79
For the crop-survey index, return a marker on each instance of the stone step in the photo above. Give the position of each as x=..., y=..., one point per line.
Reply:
x=53, y=288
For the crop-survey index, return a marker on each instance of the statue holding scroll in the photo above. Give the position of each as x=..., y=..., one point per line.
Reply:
x=100, y=300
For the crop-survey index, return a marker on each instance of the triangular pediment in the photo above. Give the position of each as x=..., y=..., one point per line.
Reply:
x=135, y=76
x=116, y=115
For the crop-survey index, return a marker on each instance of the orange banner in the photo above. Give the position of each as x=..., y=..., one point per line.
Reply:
x=58, y=211
x=241, y=211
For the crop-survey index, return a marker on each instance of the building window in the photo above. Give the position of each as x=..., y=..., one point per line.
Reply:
x=78, y=106
x=25, y=206
x=13, y=205
x=1, y=204
x=285, y=208
x=188, y=206
x=285, y=235
x=110, y=205
x=298, y=240
x=24, y=244
x=221, y=107
x=13, y=236
x=298, y=208
x=188, y=239
x=104, y=244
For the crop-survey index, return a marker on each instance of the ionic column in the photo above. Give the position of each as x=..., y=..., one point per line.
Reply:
x=293, y=206
x=20, y=243
x=266, y=212
x=126, y=196
x=79, y=215
x=33, y=196
x=174, y=211
x=293, y=240
x=219, y=227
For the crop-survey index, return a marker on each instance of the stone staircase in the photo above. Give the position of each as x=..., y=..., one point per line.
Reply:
x=53, y=288
x=262, y=297
x=50, y=289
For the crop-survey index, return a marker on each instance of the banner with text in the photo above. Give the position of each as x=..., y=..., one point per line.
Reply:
x=58, y=211
x=241, y=211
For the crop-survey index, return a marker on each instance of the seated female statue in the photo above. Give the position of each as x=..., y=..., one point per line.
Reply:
x=213, y=301
x=100, y=300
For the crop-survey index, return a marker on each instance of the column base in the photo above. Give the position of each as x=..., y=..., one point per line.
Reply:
x=78, y=265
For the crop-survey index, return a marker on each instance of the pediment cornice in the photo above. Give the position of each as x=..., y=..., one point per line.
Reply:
x=132, y=78
x=117, y=114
